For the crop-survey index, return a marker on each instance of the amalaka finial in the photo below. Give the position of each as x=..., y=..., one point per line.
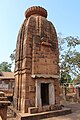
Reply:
x=36, y=10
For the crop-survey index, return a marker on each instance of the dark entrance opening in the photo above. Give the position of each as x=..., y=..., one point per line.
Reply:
x=45, y=93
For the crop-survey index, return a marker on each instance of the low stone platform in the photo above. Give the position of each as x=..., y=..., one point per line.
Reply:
x=32, y=110
x=42, y=115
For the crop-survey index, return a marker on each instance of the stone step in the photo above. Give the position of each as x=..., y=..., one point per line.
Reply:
x=42, y=115
x=11, y=118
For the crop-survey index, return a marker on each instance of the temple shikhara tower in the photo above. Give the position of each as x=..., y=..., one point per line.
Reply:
x=36, y=65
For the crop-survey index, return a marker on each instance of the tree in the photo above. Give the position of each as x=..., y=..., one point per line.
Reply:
x=69, y=56
x=5, y=66
x=65, y=78
x=12, y=56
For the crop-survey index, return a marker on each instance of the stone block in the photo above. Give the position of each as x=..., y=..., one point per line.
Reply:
x=40, y=109
x=32, y=110
x=46, y=108
x=31, y=88
x=55, y=107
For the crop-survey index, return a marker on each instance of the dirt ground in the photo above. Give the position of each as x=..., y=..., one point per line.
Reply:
x=74, y=116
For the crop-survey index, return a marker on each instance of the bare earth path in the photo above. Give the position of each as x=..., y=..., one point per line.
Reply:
x=74, y=116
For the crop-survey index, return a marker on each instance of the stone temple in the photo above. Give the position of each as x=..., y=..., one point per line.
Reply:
x=37, y=64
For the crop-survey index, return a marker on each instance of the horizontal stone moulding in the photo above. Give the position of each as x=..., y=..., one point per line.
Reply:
x=45, y=76
x=46, y=44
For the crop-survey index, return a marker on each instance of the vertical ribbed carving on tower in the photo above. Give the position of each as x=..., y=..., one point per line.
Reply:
x=36, y=63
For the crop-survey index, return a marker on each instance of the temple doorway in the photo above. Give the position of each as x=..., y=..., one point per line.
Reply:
x=45, y=94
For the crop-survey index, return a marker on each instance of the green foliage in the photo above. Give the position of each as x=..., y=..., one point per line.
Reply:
x=5, y=66
x=12, y=56
x=65, y=78
x=69, y=57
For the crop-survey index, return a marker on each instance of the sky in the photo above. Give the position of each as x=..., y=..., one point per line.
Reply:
x=64, y=14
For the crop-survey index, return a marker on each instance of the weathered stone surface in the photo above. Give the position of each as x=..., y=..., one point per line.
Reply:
x=36, y=63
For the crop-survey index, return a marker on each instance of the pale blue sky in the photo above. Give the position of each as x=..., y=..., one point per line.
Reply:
x=64, y=14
